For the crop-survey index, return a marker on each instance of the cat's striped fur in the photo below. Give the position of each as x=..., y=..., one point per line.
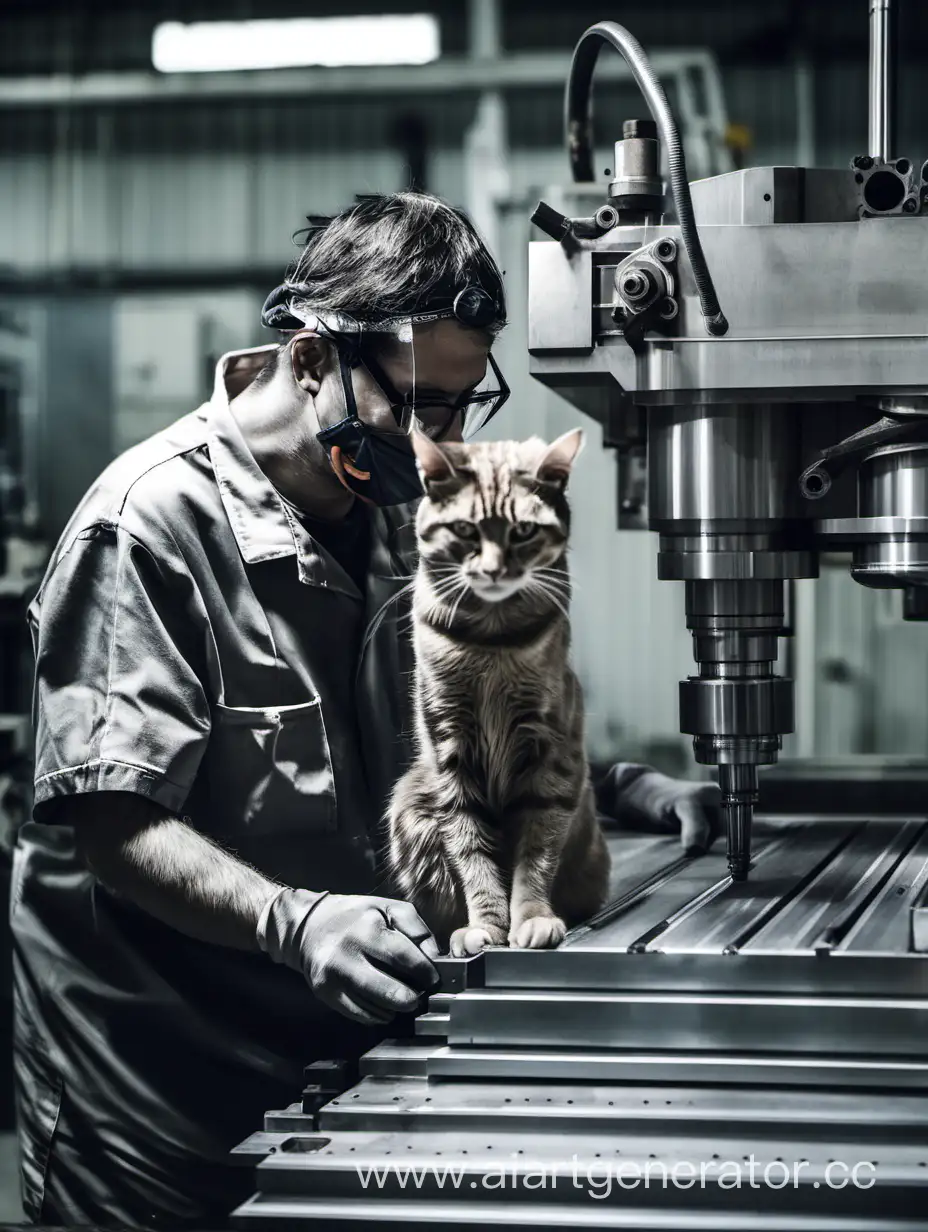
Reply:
x=492, y=831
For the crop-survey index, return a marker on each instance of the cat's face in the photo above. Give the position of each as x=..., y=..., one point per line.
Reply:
x=495, y=517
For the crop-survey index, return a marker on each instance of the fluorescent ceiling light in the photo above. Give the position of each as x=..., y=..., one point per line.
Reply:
x=220, y=46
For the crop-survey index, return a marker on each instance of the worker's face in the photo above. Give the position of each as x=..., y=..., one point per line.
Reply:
x=441, y=363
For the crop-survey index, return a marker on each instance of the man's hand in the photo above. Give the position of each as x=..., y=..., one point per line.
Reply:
x=368, y=958
x=644, y=799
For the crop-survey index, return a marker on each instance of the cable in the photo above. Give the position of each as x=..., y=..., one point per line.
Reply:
x=579, y=129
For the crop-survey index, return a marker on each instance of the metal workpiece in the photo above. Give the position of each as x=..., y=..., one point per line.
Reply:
x=819, y=888
x=727, y=1071
x=747, y=1022
x=517, y=1180
x=835, y=900
x=462, y=1106
x=712, y=1022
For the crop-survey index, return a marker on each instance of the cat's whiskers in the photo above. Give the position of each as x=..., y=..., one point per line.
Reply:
x=458, y=601
x=447, y=587
x=556, y=576
x=538, y=586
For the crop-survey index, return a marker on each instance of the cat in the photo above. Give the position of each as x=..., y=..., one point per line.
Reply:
x=492, y=831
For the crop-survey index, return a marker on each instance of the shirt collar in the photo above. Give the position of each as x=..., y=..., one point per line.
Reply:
x=263, y=526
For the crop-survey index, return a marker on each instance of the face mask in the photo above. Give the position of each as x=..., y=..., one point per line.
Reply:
x=380, y=467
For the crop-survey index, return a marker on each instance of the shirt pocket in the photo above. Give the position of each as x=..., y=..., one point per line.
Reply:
x=270, y=772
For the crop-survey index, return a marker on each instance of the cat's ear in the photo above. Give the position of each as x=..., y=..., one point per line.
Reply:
x=557, y=460
x=434, y=463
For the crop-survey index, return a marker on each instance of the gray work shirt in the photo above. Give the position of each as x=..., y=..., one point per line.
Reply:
x=195, y=645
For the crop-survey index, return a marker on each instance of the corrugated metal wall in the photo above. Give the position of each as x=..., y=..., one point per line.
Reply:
x=225, y=185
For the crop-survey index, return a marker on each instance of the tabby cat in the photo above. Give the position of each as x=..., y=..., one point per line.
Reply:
x=492, y=831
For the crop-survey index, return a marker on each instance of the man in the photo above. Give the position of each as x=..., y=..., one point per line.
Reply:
x=220, y=711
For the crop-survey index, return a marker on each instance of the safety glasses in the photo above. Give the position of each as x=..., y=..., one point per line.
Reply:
x=432, y=415
x=435, y=416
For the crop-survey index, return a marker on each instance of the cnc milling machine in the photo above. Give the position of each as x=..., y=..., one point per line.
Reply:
x=760, y=1012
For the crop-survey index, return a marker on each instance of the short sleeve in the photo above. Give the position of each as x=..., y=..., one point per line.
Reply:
x=119, y=701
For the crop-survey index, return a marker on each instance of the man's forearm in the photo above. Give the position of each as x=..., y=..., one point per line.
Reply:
x=169, y=869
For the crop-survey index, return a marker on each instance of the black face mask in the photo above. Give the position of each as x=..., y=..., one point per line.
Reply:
x=356, y=450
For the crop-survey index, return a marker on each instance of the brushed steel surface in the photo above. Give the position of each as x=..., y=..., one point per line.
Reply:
x=791, y=334
x=397, y=1215
x=745, y=1070
x=839, y=893
x=741, y=707
x=711, y=1022
x=384, y=1104
x=786, y=971
x=786, y=1057
x=562, y=290
x=781, y=869
x=893, y=482
x=919, y=923
x=334, y=1172
x=397, y=1059
x=733, y=463
x=884, y=925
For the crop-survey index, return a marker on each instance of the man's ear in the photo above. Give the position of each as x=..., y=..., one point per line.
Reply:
x=310, y=357
x=434, y=463
x=557, y=460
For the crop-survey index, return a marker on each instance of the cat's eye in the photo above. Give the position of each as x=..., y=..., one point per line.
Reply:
x=465, y=530
x=522, y=531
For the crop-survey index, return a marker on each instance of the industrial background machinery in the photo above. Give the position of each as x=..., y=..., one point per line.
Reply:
x=762, y=1009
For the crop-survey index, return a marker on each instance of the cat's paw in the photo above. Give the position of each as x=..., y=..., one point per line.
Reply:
x=471, y=939
x=541, y=932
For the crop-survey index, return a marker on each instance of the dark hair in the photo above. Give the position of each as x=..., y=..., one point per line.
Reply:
x=394, y=254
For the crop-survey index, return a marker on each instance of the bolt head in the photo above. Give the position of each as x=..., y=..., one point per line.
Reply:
x=863, y=162
x=910, y=206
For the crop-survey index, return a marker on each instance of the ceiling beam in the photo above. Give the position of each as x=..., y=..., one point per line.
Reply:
x=449, y=75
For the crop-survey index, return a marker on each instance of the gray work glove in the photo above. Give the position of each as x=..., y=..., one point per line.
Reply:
x=644, y=799
x=368, y=958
